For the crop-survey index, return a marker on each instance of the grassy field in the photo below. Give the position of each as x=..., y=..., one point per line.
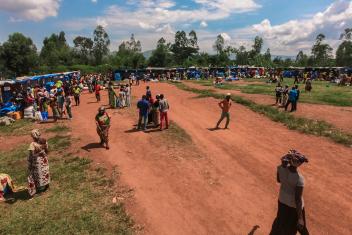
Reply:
x=20, y=127
x=304, y=125
x=79, y=200
x=322, y=93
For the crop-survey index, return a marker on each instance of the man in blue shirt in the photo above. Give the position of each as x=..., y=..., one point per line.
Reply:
x=292, y=99
x=143, y=106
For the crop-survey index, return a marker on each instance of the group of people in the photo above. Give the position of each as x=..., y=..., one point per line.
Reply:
x=120, y=99
x=58, y=99
x=153, y=110
x=285, y=96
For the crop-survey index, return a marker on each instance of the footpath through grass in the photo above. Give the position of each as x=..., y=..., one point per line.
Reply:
x=79, y=200
x=322, y=93
x=304, y=125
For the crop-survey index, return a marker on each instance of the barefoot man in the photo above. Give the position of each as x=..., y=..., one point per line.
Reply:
x=225, y=106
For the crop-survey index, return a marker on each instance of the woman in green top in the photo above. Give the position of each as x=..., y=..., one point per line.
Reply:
x=102, y=120
x=112, y=96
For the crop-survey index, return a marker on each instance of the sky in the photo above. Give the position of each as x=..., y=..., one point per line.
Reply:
x=286, y=26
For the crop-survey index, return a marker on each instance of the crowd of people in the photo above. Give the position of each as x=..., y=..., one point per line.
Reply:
x=286, y=97
x=153, y=111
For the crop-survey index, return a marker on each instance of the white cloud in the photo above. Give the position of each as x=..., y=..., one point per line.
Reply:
x=226, y=37
x=94, y=1
x=34, y=10
x=299, y=34
x=230, y=5
x=203, y=24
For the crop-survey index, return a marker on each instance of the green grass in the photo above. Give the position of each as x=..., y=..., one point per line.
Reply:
x=304, y=125
x=79, y=200
x=19, y=127
x=322, y=93
x=58, y=129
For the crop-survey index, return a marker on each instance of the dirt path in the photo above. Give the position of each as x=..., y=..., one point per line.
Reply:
x=340, y=117
x=224, y=182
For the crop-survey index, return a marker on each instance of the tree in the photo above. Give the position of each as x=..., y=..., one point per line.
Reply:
x=55, y=50
x=161, y=56
x=19, y=54
x=83, y=48
x=184, y=47
x=101, y=44
x=321, y=52
x=242, y=56
x=219, y=44
x=301, y=59
x=129, y=55
x=257, y=46
x=344, y=51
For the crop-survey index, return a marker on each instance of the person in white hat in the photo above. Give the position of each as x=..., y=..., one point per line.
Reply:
x=225, y=106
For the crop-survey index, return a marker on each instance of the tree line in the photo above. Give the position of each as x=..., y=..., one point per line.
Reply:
x=19, y=55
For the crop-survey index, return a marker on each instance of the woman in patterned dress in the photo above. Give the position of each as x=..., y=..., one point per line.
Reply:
x=102, y=120
x=38, y=165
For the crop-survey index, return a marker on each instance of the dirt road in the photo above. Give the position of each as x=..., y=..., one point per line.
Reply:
x=338, y=116
x=223, y=182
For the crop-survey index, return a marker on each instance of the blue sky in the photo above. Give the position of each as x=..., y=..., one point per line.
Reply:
x=286, y=26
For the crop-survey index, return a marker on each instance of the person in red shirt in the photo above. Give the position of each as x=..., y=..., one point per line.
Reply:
x=97, y=92
x=225, y=106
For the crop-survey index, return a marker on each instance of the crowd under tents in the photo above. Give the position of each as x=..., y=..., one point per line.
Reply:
x=9, y=87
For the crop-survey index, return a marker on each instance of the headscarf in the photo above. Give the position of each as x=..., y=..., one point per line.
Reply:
x=293, y=158
x=35, y=134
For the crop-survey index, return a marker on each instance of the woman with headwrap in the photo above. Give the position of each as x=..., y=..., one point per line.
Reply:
x=112, y=96
x=291, y=214
x=38, y=165
x=102, y=120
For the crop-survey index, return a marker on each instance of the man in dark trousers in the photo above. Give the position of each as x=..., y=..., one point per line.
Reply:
x=143, y=106
x=292, y=99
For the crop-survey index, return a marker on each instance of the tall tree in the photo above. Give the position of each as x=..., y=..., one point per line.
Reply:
x=321, y=52
x=83, y=48
x=219, y=44
x=55, y=50
x=101, y=44
x=242, y=56
x=184, y=47
x=161, y=56
x=19, y=54
x=344, y=51
x=301, y=59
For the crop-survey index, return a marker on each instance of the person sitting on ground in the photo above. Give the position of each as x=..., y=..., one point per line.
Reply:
x=291, y=214
x=38, y=164
x=163, y=108
x=6, y=186
x=225, y=106
x=143, y=106
x=103, y=122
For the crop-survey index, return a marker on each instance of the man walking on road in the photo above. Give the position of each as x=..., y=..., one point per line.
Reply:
x=225, y=106
x=292, y=99
x=143, y=106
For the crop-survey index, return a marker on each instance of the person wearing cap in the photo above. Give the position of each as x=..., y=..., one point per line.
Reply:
x=225, y=106
x=291, y=214
x=102, y=120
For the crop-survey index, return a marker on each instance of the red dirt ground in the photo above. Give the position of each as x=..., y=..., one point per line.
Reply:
x=225, y=182
x=338, y=116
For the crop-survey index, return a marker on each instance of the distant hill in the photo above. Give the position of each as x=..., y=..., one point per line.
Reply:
x=148, y=54
x=284, y=57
